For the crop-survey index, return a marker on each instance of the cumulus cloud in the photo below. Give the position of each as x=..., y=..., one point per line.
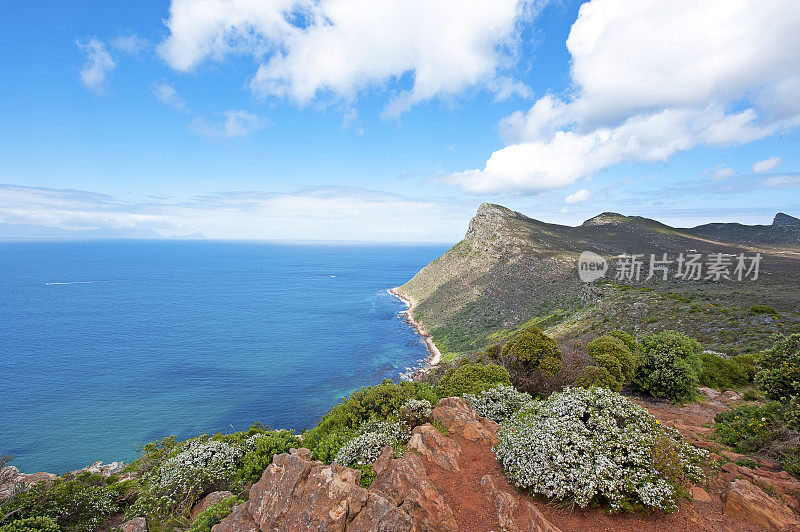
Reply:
x=98, y=64
x=337, y=48
x=236, y=123
x=578, y=197
x=767, y=164
x=165, y=93
x=651, y=79
x=326, y=213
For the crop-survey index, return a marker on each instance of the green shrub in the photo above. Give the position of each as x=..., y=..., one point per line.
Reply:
x=613, y=354
x=629, y=341
x=780, y=373
x=31, y=524
x=670, y=366
x=595, y=446
x=719, y=372
x=214, y=515
x=373, y=436
x=763, y=309
x=748, y=363
x=471, y=378
x=260, y=450
x=748, y=427
x=383, y=401
x=534, y=351
x=71, y=503
x=596, y=376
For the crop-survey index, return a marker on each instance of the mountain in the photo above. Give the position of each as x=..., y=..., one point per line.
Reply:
x=785, y=229
x=511, y=271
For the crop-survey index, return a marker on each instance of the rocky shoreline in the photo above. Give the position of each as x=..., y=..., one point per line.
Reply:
x=435, y=356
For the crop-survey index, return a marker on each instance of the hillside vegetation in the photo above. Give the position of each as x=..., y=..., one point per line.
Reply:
x=511, y=271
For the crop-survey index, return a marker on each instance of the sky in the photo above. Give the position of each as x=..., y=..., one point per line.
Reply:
x=392, y=120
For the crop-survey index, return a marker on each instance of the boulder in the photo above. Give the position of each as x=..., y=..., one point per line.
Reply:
x=458, y=417
x=710, y=393
x=296, y=493
x=699, y=494
x=138, y=524
x=515, y=514
x=208, y=501
x=404, y=482
x=105, y=470
x=746, y=501
x=730, y=396
x=435, y=446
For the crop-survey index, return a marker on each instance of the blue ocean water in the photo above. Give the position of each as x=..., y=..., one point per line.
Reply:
x=105, y=344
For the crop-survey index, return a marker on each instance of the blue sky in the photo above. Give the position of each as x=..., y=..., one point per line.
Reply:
x=393, y=121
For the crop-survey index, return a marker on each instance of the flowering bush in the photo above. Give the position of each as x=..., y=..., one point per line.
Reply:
x=594, y=445
x=373, y=436
x=415, y=412
x=195, y=467
x=497, y=403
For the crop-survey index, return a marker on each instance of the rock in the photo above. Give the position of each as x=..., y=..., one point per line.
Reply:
x=296, y=493
x=435, y=446
x=138, y=524
x=734, y=457
x=98, y=468
x=458, y=417
x=405, y=483
x=208, y=501
x=14, y=481
x=730, y=396
x=699, y=494
x=746, y=501
x=710, y=393
x=529, y=519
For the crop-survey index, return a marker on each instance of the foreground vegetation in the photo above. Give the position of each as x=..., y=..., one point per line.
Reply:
x=592, y=445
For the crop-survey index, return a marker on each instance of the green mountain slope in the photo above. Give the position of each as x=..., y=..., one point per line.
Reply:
x=511, y=270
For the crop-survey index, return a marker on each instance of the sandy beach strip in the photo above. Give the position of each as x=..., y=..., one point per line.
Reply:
x=435, y=355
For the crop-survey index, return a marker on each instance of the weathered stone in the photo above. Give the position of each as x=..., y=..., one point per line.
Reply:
x=710, y=393
x=528, y=519
x=459, y=418
x=208, y=501
x=301, y=452
x=105, y=470
x=405, y=483
x=295, y=493
x=699, y=494
x=746, y=501
x=138, y=524
x=730, y=396
x=435, y=446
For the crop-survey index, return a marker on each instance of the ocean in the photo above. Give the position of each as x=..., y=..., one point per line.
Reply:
x=106, y=344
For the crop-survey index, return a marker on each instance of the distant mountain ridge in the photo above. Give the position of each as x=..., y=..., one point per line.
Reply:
x=510, y=269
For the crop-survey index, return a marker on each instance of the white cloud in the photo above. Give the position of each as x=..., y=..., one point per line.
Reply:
x=651, y=79
x=782, y=181
x=767, y=164
x=337, y=48
x=236, y=123
x=723, y=172
x=130, y=43
x=97, y=66
x=166, y=94
x=326, y=213
x=578, y=197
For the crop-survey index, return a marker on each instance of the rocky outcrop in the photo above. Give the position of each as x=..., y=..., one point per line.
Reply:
x=748, y=502
x=138, y=524
x=515, y=513
x=13, y=480
x=208, y=501
x=105, y=470
x=296, y=493
x=456, y=415
x=435, y=446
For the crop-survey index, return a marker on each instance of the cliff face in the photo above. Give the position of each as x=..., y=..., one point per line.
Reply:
x=511, y=269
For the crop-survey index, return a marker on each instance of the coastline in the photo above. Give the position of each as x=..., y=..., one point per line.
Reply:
x=435, y=355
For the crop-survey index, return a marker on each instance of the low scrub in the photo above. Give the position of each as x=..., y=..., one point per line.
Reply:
x=594, y=446
x=532, y=350
x=471, y=378
x=613, y=361
x=721, y=373
x=779, y=377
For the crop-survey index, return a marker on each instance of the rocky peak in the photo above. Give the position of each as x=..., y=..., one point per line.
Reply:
x=606, y=218
x=782, y=220
x=492, y=225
